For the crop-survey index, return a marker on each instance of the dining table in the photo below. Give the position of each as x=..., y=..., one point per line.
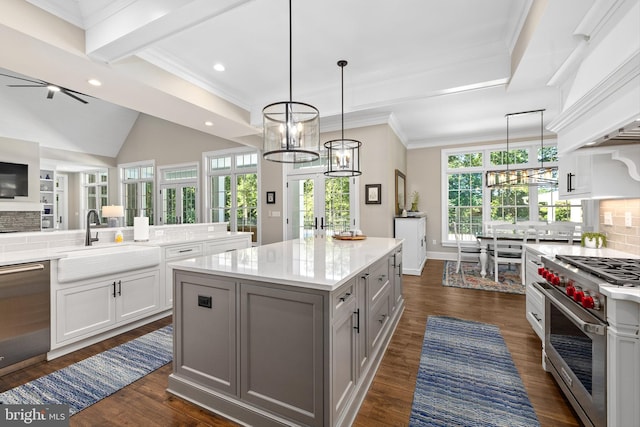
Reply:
x=486, y=239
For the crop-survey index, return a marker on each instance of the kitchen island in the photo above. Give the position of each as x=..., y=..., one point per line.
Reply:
x=289, y=333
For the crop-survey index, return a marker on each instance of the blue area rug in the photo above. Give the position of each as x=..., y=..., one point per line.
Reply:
x=84, y=383
x=467, y=378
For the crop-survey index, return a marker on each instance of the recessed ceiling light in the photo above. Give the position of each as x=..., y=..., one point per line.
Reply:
x=95, y=82
x=208, y=123
x=53, y=88
x=218, y=67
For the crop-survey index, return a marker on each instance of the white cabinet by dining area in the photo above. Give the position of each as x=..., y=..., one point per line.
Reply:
x=414, y=249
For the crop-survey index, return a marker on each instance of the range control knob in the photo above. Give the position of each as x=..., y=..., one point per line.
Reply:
x=570, y=290
x=578, y=295
x=555, y=280
x=588, y=302
x=540, y=270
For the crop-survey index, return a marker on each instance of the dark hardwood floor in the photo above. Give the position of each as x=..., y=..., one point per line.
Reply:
x=388, y=402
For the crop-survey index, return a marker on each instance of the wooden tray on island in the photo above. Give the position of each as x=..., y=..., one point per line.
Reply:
x=361, y=237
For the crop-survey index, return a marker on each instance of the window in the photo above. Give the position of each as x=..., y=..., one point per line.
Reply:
x=232, y=181
x=179, y=194
x=95, y=192
x=137, y=190
x=469, y=202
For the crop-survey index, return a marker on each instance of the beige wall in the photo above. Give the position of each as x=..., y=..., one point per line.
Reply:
x=271, y=180
x=620, y=236
x=381, y=154
x=168, y=143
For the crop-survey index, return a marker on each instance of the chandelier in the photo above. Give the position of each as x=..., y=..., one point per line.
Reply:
x=537, y=176
x=291, y=129
x=343, y=155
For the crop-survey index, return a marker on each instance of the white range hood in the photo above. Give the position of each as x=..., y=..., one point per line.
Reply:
x=604, y=94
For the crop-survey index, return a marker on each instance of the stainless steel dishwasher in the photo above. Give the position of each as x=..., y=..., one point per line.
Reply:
x=25, y=318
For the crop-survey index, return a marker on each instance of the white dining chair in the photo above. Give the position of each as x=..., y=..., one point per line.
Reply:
x=508, y=246
x=466, y=251
x=559, y=232
x=487, y=226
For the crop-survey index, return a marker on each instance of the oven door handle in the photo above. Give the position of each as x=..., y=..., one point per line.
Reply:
x=587, y=327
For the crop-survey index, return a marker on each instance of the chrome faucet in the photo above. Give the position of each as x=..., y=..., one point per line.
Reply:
x=88, y=239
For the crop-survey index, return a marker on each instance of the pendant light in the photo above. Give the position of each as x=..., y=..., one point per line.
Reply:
x=291, y=129
x=343, y=155
x=537, y=176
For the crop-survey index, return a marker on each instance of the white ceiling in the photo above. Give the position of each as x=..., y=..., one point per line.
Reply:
x=439, y=71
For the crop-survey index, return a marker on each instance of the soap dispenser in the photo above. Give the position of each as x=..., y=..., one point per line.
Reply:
x=119, y=237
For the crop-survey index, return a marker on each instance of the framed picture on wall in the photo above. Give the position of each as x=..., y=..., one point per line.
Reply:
x=271, y=197
x=373, y=194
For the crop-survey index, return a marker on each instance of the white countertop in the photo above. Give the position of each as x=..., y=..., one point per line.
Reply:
x=610, y=291
x=559, y=249
x=322, y=263
x=48, y=254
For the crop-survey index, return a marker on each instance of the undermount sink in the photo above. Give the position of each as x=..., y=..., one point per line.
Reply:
x=96, y=261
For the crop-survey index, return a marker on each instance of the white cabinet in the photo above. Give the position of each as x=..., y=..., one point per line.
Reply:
x=592, y=174
x=623, y=362
x=535, y=300
x=176, y=253
x=47, y=198
x=414, y=253
x=88, y=307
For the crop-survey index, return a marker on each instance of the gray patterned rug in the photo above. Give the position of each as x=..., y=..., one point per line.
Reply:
x=469, y=277
x=84, y=383
x=467, y=378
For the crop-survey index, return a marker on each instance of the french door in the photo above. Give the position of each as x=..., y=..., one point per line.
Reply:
x=319, y=206
x=179, y=204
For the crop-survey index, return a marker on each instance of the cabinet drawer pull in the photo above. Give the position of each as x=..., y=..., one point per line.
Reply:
x=119, y=287
x=185, y=250
x=345, y=296
x=357, y=327
x=114, y=288
x=381, y=320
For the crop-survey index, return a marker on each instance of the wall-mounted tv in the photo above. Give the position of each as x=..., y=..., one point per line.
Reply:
x=14, y=180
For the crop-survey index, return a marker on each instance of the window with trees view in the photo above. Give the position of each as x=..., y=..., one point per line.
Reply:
x=468, y=202
x=137, y=185
x=179, y=194
x=233, y=190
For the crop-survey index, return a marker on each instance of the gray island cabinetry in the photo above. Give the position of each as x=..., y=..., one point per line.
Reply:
x=290, y=333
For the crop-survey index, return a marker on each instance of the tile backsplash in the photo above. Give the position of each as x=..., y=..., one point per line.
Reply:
x=620, y=221
x=19, y=221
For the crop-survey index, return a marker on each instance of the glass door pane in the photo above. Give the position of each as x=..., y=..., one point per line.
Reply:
x=301, y=208
x=170, y=205
x=188, y=205
x=337, y=205
x=247, y=204
x=220, y=198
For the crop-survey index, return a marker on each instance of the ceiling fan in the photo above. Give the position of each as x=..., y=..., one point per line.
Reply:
x=51, y=88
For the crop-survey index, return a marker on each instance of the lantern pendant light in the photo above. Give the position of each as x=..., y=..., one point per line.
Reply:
x=291, y=129
x=343, y=155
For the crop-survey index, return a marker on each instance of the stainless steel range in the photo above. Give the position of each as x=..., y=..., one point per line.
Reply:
x=576, y=326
